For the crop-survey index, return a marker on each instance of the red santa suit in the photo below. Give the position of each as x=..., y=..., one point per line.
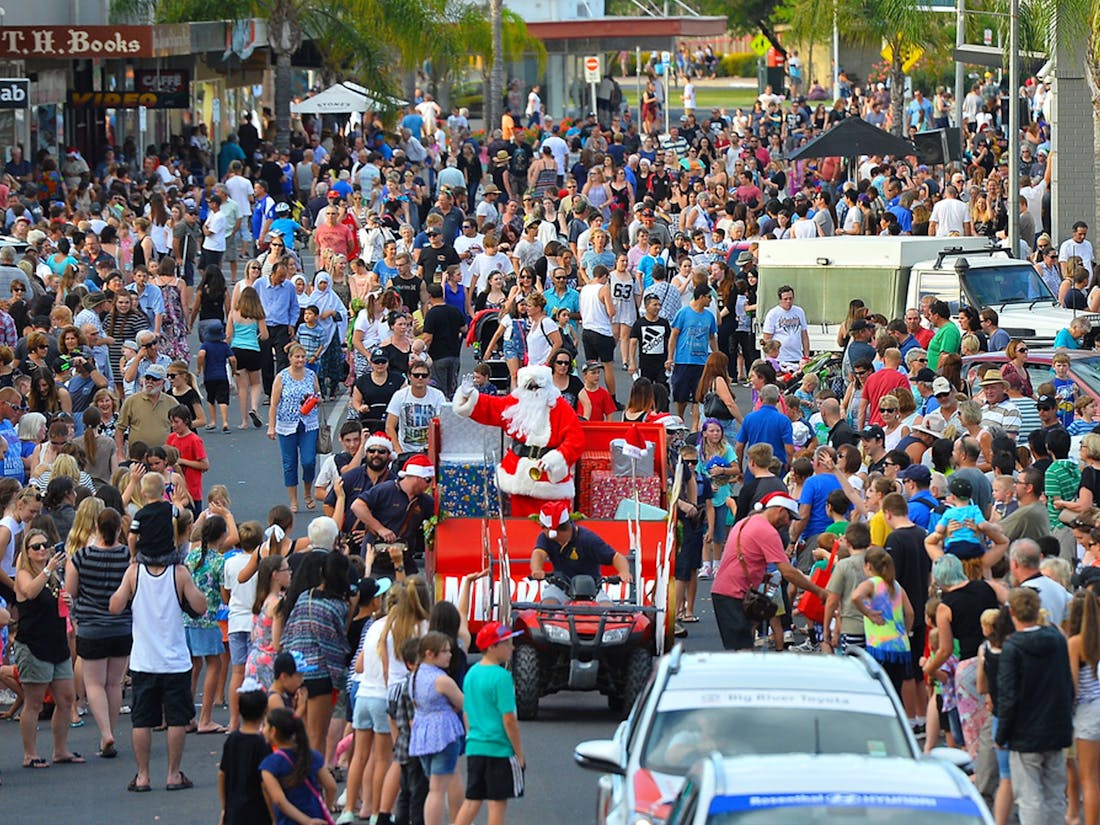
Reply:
x=538, y=466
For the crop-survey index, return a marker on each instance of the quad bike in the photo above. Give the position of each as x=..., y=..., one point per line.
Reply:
x=582, y=645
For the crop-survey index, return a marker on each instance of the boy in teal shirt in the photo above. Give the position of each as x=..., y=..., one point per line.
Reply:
x=494, y=753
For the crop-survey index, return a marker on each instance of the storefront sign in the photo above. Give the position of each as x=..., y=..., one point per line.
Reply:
x=171, y=86
x=126, y=100
x=15, y=93
x=64, y=42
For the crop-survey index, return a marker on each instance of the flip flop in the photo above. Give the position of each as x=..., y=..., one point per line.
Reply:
x=215, y=729
x=225, y=429
x=73, y=758
x=108, y=752
x=79, y=723
x=690, y=618
x=37, y=763
x=210, y=427
x=255, y=419
x=134, y=787
x=311, y=504
x=182, y=785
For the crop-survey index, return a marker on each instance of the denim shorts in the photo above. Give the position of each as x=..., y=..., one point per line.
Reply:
x=238, y=647
x=370, y=714
x=205, y=641
x=1003, y=771
x=1086, y=721
x=444, y=762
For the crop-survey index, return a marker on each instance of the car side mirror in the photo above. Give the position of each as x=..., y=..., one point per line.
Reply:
x=602, y=755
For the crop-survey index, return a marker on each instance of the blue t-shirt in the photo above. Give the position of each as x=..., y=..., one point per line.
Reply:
x=769, y=426
x=961, y=514
x=280, y=764
x=814, y=492
x=215, y=368
x=1065, y=340
x=385, y=273
x=693, y=343
x=1065, y=391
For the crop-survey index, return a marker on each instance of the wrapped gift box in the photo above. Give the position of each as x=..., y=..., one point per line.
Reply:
x=463, y=440
x=609, y=490
x=462, y=486
x=624, y=465
x=591, y=461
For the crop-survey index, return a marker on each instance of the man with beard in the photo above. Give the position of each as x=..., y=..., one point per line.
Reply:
x=145, y=414
x=371, y=469
x=547, y=439
x=393, y=512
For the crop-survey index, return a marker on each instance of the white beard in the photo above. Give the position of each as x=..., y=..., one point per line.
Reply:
x=529, y=418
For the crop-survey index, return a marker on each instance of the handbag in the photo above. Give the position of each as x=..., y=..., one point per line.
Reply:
x=809, y=605
x=715, y=407
x=757, y=606
x=1067, y=516
x=324, y=432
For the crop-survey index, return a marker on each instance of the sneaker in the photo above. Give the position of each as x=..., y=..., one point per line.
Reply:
x=705, y=571
x=124, y=710
x=919, y=731
x=788, y=637
x=806, y=647
x=346, y=818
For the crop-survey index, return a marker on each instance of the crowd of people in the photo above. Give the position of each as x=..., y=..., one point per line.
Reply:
x=361, y=266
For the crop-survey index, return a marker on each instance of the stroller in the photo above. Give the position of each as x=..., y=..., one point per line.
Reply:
x=481, y=332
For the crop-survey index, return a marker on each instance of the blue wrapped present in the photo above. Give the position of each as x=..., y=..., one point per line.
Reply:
x=462, y=488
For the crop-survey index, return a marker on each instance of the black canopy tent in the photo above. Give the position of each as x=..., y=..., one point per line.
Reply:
x=852, y=138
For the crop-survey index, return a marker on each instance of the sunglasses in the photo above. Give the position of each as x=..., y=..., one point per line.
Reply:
x=888, y=409
x=377, y=451
x=1021, y=349
x=561, y=363
x=41, y=545
x=174, y=374
x=18, y=289
x=419, y=375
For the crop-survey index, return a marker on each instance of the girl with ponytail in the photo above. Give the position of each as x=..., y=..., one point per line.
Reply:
x=887, y=615
x=204, y=636
x=295, y=778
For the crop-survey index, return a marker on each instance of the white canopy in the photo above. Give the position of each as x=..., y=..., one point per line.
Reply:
x=344, y=98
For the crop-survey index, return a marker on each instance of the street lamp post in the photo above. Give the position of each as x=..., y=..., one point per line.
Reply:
x=1014, y=127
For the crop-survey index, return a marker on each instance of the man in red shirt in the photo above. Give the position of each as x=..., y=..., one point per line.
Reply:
x=755, y=540
x=193, y=461
x=333, y=235
x=922, y=333
x=878, y=384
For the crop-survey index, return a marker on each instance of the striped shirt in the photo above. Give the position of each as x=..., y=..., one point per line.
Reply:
x=1061, y=480
x=315, y=629
x=100, y=570
x=1004, y=414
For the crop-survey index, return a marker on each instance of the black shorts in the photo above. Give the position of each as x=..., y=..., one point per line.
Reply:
x=217, y=392
x=598, y=347
x=685, y=380
x=112, y=647
x=689, y=555
x=248, y=360
x=493, y=777
x=161, y=697
x=916, y=651
x=321, y=686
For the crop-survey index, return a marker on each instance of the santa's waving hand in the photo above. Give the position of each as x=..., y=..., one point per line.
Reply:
x=547, y=438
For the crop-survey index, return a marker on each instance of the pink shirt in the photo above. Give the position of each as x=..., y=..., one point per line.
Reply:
x=761, y=546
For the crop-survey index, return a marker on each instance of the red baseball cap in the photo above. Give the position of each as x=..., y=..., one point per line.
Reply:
x=493, y=634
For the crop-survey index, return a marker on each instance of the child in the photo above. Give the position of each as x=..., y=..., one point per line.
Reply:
x=215, y=361
x=286, y=683
x=594, y=403
x=192, y=452
x=800, y=430
x=1085, y=408
x=806, y=392
x=153, y=529
x=494, y=752
x=837, y=506
x=242, y=794
x=697, y=516
x=482, y=374
x=996, y=627
x=770, y=349
x=1004, y=497
x=413, y=790
x=1065, y=388
x=887, y=615
x=843, y=622
x=310, y=336
x=945, y=689
x=437, y=732
x=291, y=775
x=966, y=541
x=9, y=674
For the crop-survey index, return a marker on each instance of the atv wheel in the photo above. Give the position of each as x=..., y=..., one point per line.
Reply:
x=636, y=674
x=525, y=673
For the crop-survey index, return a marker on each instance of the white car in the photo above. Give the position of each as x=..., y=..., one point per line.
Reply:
x=801, y=789
x=740, y=704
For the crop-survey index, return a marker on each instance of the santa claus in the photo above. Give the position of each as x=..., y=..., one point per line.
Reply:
x=546, y=436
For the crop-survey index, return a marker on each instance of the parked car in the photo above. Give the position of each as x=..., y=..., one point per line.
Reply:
x=741, y=704
x=844, y=789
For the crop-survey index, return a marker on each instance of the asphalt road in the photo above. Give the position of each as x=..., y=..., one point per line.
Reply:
x=248, y=463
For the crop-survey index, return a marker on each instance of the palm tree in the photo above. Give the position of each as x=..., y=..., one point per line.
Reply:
x=496, y=72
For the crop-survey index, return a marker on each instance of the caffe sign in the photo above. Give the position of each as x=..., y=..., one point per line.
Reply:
x=65, y=42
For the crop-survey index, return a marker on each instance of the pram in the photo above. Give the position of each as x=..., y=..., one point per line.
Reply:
x=826, y=366
x=481, y=333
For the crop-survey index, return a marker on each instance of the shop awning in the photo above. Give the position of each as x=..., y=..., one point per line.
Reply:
x=345, y=98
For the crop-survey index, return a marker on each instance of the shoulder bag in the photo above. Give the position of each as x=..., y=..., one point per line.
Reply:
x=757, y=606
x=714, y=406
x=324, y=432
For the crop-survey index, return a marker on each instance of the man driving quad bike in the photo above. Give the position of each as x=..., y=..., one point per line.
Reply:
x=573, y=551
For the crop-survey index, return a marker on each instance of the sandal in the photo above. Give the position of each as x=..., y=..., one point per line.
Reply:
x=108, y=751
x=73, y=758
x=689, y=618
x=134, y=787
x=37, y=763
x=311, y=504
x=182, y=785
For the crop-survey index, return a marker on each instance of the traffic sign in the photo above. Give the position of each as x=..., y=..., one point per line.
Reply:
x=760, y=45
x=592, y=69
x=15, y=93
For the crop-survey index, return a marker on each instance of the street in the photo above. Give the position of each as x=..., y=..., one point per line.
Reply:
x=558, y=793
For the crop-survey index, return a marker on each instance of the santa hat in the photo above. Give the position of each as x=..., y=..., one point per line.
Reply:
x=635, y=446
x=419, y=466
x=553, y=515
x=72, y=152
x=778, y=499
x=381, y=440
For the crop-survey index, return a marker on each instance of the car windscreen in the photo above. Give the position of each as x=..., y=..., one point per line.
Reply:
x=966, y=814
x=1087, y=372
x=1008, y=284
x=739, y=723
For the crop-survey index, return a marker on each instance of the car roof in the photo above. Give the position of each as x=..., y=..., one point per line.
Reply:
x=725, y=670
x=1039, y=355
x=837, y=773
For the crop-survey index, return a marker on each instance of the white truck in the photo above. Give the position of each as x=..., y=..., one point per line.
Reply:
x=893, y=273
